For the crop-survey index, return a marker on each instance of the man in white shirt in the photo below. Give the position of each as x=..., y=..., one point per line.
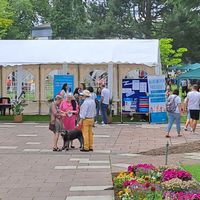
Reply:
x=87, y=114
x=193, y=104
x=105, y=98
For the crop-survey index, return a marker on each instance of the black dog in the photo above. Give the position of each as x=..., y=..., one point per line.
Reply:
x=71, y=135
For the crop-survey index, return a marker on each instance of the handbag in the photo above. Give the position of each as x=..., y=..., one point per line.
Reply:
x=52, y=127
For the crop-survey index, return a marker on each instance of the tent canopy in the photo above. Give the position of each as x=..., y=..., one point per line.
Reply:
x=193, y=74
x=19, y=52
x=185, y=67
x=190, y=66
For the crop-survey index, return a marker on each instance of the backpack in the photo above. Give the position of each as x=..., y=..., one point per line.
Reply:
x=171, y=105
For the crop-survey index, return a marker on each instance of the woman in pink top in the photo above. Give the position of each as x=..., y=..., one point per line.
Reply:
x=70, y=108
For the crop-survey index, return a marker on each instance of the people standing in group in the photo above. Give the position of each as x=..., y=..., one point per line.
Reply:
x=176, y=114
x=193, y=104
x=87, y=114
x=78, y=93
x=92, y=93
x=70, y=108
x=105, y=99
x=64, y=91
x=55, y=124
x=98, y=104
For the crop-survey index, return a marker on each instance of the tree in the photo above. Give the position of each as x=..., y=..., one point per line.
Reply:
x=5, y=17
x=68, y=18
x=23, y=19
x=96, y=19
x=169, y=56
x=182, y=24
x=42, y=11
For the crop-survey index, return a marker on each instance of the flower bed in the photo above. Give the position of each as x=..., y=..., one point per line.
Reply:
x=146, y=182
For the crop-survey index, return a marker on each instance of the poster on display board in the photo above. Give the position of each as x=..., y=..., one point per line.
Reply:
x=157, y=99
x=59, y=80
x=134, y=96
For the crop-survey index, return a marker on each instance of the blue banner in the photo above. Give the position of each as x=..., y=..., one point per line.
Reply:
x=59, y=80
x=134, y=96
x=157, y=100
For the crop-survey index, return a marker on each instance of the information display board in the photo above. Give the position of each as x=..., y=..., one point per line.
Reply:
x=157, y=99
x=134, y=96
x=59, y=80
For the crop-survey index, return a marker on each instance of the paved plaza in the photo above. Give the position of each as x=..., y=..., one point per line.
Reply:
x=30, y=170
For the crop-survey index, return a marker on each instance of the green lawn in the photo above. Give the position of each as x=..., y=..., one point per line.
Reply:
x=194, y=170
x=45, y=118
x=26, y=118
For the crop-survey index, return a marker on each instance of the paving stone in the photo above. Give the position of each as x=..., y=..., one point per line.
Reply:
x=94, y=167
x=90, y=198
x=89, y=188
x=31, y=150
x=193, y=157
x=33, y=143
x=130, y=154
x=65, y=167
x=101, y=151
x=101, y=136
x=122, y=165
x=8, y=147
x=7, y=126
x=26, y=135
x=79, y=159
x=94, y=162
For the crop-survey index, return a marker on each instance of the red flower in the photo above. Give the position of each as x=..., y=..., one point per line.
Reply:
x=147, y=185
x=153, y=189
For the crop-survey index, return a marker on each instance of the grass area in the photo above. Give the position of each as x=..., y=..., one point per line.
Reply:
x=27, y=118
x=194, y=170
x=116, y=118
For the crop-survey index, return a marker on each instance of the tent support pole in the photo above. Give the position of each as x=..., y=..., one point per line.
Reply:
x=118, y=95
x=1, y=75
x=40, y=104
x=19, y=80
x=78, y=73
x=110, y=78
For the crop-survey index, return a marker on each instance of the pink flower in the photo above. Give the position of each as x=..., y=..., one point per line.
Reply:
x=174, y=173
x=130, y=182
x=131, y=168
x=145, y=166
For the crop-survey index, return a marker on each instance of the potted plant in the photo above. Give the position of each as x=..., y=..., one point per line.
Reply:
x=18, y=108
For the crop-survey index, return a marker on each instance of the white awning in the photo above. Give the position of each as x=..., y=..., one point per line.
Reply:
x=19, y=52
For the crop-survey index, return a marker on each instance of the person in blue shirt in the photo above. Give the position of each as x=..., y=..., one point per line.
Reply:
x=98, y=103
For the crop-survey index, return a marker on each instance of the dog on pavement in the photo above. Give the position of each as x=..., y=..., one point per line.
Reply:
x=71, y=135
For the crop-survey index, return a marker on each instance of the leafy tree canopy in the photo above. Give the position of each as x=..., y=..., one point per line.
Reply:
x=5, y=17
x=169, y=56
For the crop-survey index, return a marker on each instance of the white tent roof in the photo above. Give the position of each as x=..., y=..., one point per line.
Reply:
x=18, y=52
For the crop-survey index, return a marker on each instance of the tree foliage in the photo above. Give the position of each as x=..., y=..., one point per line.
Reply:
x=23, y=18
x=68, y=18
x=5, y=17
x=169, y=56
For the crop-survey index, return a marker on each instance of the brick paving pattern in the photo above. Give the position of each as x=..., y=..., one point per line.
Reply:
x=29, y=170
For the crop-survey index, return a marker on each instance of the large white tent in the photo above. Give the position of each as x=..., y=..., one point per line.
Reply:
x=93, y=52
x=16, y=52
